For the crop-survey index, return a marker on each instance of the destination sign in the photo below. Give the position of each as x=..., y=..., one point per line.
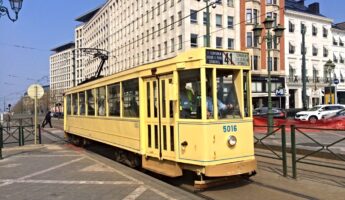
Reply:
x=227, y=58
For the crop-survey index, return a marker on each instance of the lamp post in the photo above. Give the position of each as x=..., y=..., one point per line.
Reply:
x=330, y=67
x=16, y=5
x=278, y=30
x=208, y=35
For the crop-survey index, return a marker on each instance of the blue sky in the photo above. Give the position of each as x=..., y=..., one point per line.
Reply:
x=45, y=24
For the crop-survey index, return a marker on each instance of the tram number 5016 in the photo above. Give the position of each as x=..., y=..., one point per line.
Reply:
x=229, y=128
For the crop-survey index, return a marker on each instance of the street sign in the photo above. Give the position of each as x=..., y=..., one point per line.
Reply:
x=280, y=92
x=35, y=91
x=336, y=81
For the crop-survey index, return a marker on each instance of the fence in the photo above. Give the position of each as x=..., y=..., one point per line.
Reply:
x=20, y=135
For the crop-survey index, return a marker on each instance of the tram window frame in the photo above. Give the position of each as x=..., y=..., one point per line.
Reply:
x=210, y=108
x=82, y=108
x=74, y=104
x=190, y=93
x=101, y=105
x=246, y=93
x=232, y=107
x=114, y=100
x=90, y=112
x=68, y=104
x=130, y=98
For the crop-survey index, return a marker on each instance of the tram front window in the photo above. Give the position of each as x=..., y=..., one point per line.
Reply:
x=190, y=94
x=226, y=94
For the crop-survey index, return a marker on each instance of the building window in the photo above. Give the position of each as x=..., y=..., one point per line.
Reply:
x=275, y=64
x=324, y=32
x=315, y=51
x=291, y=27
x=249, y=16
x=153, y=32
x=230, y=22
x=314, y=30
x=194, y=40
x=165, y=48
x=230, y=43
x=159, y=50
x=153, y=53
x=159, y=30
x=335, y=41
x=325, y=52
x=219, y=42
x=230, y=3
x=158, y=8
x=249, y=39
x=341, y=42
x=341, y=59
x=255, y=16
x=180, y=42
x=165, y=26
x=193, y=17
x=204, y=18
x=172, y=22
x=219, y=21
x=172, y=41
x=179, y=18
x=255, y=63
x=335, y=59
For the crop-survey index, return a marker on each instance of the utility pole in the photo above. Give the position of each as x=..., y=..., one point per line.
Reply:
x=304, y=78
x=208, y=37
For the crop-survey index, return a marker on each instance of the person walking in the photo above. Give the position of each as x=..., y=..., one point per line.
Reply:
x=47, y=120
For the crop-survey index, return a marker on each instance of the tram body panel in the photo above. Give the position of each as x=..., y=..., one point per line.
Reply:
x=207, y=144
x=117, y=132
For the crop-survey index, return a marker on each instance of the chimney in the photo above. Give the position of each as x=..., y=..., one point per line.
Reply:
x=314, y=8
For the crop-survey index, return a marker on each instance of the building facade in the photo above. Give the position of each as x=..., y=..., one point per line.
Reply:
x=318, y=49
x=62, y=71
x=338, y=57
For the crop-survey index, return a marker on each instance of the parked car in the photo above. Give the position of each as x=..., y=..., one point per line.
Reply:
x=317, y=112
x=262, y=112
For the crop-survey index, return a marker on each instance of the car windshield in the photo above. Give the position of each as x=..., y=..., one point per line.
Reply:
x=315, y=108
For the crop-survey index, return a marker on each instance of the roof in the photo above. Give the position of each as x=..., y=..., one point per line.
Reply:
x=88, y=15
x=298, y=5
x=63, y=47
x=340, y=26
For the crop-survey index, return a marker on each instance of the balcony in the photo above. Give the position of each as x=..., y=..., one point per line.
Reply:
x=294, y=80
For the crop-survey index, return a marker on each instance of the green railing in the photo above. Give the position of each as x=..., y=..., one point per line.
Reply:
x=321, y=146
x=261, y=141
x=18, y=135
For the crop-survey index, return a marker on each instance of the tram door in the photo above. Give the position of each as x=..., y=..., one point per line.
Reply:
x=159, y=117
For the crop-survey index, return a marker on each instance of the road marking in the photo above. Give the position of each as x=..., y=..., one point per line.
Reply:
x=97, y=168
x=161, y=193
x=136, y=193
x=46, y=156
x=10, y=165
x=69, y=182
x=43, y=171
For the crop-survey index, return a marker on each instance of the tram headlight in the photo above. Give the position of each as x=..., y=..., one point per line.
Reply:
x=232, y=140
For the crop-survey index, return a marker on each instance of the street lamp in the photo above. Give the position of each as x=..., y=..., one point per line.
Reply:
x=16, y=5
x=330, y=67
x=278, y=30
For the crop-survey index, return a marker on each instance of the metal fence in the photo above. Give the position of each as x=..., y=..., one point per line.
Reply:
x=262, y=141
x=12, y=135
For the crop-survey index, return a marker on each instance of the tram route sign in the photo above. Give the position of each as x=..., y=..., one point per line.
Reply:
x=227, y=58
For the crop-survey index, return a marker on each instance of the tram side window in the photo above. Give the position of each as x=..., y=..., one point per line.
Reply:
x=75, y=103
x=101, y=101
x=226, y=94
x=130, y=95
x=246, y=93
x=81, y=103
x=190, y=94
x=68, y=104
x=114, y=100
x=90, y=102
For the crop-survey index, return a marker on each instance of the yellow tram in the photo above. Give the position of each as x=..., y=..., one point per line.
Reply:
x=191, y=112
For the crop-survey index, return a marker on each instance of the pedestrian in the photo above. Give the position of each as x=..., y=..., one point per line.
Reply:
x=47, y=120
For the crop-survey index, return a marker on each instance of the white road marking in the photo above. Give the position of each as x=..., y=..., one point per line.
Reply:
x=97, y=168
x=161, y=193
x=45, y=156
x=43, y=171
x=136, y=193
x=69, y=182
x=10, y=165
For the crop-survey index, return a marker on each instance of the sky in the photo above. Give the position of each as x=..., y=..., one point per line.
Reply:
x=44, y=24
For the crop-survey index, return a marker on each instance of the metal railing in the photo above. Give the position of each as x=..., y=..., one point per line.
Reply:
x=261, y=141
x=18, y=135
x=321, y=146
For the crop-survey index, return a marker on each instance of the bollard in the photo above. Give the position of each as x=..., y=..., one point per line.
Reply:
x=293, y=151
x=39, y=134
x=284, y=150
x=20, y=141
x=1, y=142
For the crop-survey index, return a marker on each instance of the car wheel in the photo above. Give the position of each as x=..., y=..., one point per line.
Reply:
x=312, y=119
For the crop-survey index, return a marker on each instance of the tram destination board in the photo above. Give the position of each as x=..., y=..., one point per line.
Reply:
x=227, y=58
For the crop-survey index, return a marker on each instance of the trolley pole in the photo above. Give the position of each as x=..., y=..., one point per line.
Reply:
x=35, y=125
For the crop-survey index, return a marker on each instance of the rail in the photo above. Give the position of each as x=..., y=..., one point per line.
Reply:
x=261, y=141
x=18, y=135
x=321, y=146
